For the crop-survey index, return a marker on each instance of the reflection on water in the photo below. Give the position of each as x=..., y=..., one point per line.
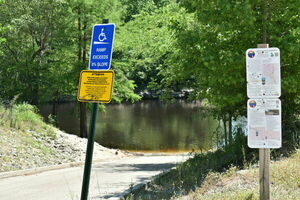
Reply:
x=147, y=125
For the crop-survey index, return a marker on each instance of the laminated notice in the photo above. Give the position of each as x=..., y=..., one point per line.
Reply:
x=264, y=123
x=263, y=73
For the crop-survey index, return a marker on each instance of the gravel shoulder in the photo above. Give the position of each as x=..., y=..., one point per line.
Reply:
x=30, y=149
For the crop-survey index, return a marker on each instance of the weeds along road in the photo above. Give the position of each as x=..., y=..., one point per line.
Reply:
x=109, y=180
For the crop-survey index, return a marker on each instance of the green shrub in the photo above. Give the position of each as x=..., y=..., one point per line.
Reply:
x=25, y=117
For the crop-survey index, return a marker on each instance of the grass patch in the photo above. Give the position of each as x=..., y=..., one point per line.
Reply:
x=25, y=117
x=243, y=185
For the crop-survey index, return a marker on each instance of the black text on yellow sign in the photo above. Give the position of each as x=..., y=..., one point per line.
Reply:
x=95, y=86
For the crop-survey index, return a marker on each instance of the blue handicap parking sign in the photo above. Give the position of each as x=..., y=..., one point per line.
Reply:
x=102, y=46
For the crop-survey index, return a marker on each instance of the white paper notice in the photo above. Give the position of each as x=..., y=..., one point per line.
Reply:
x=264, y=123
x=263, y=73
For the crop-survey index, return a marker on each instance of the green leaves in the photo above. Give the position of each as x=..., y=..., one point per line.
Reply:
x=160, y=45
x=143, y=45
x=33, y=30
x=209, y=46
x=47, y=44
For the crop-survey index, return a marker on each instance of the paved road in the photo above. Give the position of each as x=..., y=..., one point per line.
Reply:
x=109, y=180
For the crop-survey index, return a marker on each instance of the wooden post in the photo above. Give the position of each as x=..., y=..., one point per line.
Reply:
x=264, y=164
x=264, y=174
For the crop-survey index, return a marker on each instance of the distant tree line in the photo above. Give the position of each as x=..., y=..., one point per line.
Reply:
x=161, y=46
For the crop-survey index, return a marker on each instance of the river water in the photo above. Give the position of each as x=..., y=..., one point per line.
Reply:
x=144, y=126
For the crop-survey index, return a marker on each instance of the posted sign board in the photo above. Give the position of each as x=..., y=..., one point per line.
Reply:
x=102, y=46
x=264, y=123
x=95, y=86
x=263, y=73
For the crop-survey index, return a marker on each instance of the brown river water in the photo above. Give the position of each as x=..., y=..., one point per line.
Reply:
x=149, y=126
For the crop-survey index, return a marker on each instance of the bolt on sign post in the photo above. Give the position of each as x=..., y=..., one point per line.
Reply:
x=96, y=86
x=263, y=107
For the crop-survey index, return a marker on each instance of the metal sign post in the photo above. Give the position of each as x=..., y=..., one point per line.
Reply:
x=264, y=108
x=89, y=155
x=91, y=83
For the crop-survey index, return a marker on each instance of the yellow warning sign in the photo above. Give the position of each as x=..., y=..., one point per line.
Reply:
x=95, y=86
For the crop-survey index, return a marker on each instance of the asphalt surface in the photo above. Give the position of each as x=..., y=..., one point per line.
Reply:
x=109, y=180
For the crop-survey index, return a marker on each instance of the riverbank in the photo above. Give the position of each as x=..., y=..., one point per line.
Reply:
x=27, y=142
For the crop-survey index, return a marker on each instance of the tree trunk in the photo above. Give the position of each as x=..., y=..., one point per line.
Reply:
x=225, y=130
x=35, y=87
x=79, y=35
x=84, y=51
x=35, y=93
x=217, y=132
x=55, y=107
x=230, y=128
x=81, y=57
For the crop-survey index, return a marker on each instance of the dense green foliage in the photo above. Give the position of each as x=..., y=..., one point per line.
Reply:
x=161, y=47
x=222, y=32
x=144, y=45
x=46, y=46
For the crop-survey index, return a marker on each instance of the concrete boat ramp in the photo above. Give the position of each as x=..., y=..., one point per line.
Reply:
x=109, y=179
